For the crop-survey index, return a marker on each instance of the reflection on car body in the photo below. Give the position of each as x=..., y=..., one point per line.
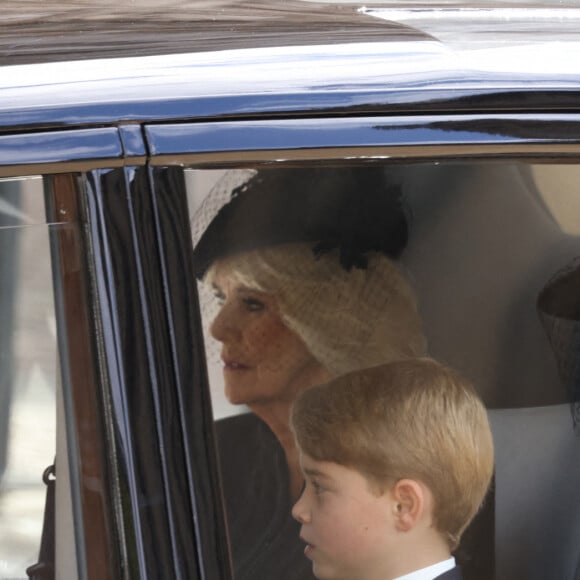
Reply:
x=114, y=127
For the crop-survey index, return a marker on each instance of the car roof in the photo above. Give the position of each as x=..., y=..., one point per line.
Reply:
x=69, y=30
x=38, y=31
x=73, y=64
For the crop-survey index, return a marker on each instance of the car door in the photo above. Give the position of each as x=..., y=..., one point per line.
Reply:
x=89, y=334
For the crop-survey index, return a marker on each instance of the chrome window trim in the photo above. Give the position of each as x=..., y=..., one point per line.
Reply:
x=65, y=151
x=404, y=137
x=133, y=144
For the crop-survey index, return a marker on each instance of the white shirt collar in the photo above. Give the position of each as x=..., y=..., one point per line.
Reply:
x=430, y=572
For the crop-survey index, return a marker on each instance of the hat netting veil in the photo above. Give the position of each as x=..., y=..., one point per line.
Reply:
x=347, y=319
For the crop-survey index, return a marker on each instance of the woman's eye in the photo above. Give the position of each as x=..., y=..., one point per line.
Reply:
x=253, y=304
x=219, y=297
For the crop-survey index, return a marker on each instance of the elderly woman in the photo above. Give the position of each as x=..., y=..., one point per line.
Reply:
x=301, y=262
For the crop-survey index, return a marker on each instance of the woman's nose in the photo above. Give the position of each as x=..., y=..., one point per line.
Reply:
x=300, y=511
x=223, y=325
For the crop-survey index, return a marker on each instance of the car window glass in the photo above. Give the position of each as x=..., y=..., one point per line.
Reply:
x=486, y=239
x=28, y=371
x=519, y=220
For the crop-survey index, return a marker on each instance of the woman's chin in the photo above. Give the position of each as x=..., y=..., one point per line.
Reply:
x=237, y=395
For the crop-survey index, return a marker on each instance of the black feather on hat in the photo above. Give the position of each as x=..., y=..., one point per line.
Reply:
x=559, y=309
x=353, y=209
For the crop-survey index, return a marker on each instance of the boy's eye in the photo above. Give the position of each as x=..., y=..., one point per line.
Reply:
x=253, y=304
x=318, y=489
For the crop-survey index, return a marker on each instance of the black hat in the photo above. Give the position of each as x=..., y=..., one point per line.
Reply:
x=559, y=309
x=353, y=209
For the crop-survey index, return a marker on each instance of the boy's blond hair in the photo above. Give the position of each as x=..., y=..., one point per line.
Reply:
x=412, y=419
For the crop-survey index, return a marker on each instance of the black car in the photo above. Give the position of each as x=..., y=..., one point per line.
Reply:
x=117, y=119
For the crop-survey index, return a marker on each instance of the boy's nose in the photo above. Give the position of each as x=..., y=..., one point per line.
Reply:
x=300, y=510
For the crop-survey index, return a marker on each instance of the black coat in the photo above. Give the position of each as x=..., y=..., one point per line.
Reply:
x=453, y=574
x=264, y=538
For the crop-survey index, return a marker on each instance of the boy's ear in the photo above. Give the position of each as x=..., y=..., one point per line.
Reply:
x=409, y=503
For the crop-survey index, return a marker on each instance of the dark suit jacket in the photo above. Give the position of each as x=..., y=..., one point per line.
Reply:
x=453, y=574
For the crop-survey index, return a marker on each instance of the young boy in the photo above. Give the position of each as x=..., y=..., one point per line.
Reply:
x=397, y=460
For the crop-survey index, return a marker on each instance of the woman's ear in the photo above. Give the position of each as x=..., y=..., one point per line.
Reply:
x=408, y=503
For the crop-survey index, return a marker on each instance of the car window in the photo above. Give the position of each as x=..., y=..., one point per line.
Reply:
x=50, y=435
x=486, y=240
x=29, y=371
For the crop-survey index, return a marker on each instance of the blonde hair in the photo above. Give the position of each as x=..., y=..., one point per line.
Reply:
x=413, y=419
x=347, y=319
